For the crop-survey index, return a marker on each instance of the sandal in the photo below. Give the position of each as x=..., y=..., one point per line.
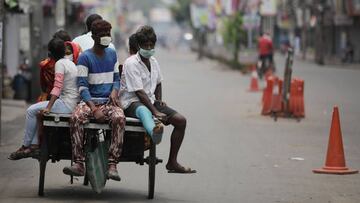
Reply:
x=180, y=169
x=34, y=151
x=75, y=170
x=113, y=173
x=22, y=152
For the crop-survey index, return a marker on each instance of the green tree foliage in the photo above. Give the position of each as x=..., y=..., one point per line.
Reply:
x=11, y=3
x=181, y=11
x=233, y=33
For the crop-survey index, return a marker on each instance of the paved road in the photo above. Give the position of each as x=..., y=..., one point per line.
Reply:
x=240, y=156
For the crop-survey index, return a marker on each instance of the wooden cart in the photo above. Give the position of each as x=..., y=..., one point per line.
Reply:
x=56, y=146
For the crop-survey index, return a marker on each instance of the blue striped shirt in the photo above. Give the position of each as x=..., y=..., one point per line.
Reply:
x=97, y=76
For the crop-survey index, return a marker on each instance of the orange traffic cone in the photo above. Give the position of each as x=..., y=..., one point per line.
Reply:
x=267, y=96
x=335, y=158
x=276, y=101
x=254, y=86
x=297, y=98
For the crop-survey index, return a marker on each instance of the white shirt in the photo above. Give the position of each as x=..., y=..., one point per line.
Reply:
x=86, y=41
x=69, y=91
x=135, y=76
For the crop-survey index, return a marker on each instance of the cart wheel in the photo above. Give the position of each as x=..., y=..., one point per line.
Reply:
x=86, y=180
x=44, y=156
x=152, y=164
x=71, y=177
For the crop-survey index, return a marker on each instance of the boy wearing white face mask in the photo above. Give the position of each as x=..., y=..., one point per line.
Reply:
x=98, y=82
x=86, y=41
x=141, y=96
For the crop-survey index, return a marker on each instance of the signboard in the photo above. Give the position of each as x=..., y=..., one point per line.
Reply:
x=343, y=20
x=268, y=8
x=251, y=21
x=199, y=15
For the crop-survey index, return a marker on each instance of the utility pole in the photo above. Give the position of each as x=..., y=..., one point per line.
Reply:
x=36, y=24
x=2, y=17
x=319, y=52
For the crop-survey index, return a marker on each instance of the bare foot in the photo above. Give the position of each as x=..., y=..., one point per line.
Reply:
x=177, y=168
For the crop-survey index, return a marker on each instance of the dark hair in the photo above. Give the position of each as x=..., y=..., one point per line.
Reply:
x=133, y=44
x=91, y=19
x=100, y=26
x=56, y=48
x=144, y=34
x=63, y=35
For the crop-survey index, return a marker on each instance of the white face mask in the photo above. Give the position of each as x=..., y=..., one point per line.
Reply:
x=70, y=57
x=146, y=53
x=105, y=41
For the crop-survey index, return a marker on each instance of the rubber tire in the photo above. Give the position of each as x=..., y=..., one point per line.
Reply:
x=152, y=164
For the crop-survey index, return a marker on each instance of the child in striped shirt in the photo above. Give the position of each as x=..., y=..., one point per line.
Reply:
x=98, y=83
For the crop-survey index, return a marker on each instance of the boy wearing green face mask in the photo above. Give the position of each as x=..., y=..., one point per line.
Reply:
x=141, y=89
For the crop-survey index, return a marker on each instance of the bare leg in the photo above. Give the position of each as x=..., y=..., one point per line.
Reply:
x=177, y=136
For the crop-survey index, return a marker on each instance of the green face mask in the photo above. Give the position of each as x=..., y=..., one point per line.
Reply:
x=146, y=53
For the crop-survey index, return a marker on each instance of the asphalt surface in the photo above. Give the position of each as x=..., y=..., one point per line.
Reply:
x=240, y=155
